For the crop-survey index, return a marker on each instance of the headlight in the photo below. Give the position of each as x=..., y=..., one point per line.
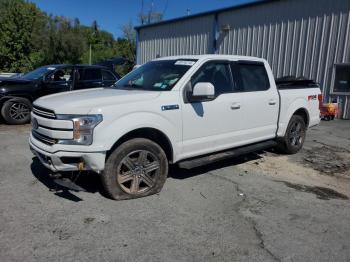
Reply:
x=83, y=128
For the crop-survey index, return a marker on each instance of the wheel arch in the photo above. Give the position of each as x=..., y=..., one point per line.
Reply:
x=304, y=114
x=298, y=107
x=152, y=134
x=6, y=98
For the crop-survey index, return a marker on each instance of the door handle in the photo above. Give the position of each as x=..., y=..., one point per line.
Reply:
x=272, y=102
x=235, y=106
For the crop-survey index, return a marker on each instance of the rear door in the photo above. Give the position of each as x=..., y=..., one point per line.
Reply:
x=89, y=78
x=256, y=101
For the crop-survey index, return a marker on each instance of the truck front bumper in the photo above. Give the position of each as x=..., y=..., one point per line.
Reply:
x=68, y=161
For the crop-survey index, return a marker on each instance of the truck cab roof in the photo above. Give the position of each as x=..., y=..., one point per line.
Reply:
x=212, y=57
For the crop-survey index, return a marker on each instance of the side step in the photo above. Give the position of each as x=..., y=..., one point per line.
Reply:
x=208, y=159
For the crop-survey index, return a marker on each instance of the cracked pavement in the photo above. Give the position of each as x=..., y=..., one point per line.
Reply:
x=235, y=210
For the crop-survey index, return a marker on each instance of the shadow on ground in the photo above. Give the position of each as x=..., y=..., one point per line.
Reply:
x=86, y=181
x=65, y=184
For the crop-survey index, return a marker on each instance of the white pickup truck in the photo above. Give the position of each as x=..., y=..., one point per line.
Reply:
x=189, y=110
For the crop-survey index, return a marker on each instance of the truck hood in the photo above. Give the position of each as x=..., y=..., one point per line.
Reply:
x=83, y=101
x=8, y=82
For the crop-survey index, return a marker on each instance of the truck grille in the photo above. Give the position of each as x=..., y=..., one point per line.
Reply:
x=44, y=139
x=46, y=113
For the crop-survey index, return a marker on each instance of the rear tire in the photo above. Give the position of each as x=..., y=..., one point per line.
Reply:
x=136, y=168
x=16, y=111
x=294, y=138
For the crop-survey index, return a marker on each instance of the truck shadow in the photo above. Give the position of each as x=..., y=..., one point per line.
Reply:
x=86, y=181
x=90, y=182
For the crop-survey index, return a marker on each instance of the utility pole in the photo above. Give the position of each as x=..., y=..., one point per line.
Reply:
x=90, y=55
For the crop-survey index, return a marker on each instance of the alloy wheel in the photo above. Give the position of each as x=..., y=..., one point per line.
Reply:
x=296, y=135
x=138, y=172
x=19, y=111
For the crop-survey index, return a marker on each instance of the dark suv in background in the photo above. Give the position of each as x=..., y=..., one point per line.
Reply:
x=17, y=94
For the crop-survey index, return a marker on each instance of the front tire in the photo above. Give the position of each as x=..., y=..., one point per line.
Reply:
x=16, y=111
x=136, y=168
x=294, y=138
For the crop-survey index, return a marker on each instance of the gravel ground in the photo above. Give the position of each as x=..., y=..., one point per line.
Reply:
x=261, y=207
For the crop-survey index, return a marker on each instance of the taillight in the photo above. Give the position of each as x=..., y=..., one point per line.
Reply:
x=320, y=100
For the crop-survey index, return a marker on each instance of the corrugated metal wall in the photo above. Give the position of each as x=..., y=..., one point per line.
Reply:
x=297, y=37
x=194, y=36
x=301, y=38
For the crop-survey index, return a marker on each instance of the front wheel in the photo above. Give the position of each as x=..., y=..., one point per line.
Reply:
x=294, y=138
x=136, y=168
x=16, y=111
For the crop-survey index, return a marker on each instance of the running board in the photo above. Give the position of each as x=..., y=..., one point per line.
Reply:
x=208, y=159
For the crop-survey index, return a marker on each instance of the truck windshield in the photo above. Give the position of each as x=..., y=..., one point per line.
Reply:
x=159, y=75
x=37, y=73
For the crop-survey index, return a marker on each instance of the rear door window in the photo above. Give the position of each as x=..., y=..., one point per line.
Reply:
x=92, y=74
x=250, y=77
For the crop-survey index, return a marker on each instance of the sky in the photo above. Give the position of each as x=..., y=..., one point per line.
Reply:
x=112, y=14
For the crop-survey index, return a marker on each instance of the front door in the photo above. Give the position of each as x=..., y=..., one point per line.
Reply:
x=58, y=81
x=207, y=125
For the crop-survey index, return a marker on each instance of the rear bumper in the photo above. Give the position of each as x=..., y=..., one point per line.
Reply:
x=68, y=161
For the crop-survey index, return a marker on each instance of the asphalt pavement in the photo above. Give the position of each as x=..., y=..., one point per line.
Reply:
x=260, y=207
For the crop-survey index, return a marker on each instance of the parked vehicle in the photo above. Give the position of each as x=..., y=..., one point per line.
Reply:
x=328, y=111
x=190, y=110
x=17, y=94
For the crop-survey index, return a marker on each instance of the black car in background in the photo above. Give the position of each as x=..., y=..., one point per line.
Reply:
x=17, y=94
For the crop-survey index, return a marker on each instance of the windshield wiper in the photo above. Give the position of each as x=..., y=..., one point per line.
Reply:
x=130, y=87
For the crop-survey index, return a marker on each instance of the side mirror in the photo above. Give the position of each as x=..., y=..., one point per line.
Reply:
x=203, y=91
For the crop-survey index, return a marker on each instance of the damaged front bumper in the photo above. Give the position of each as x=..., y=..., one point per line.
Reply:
x=68, y=161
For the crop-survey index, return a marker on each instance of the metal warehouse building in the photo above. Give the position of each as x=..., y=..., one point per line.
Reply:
x=307, y=38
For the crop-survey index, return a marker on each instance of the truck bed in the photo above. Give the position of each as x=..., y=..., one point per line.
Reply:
x=294, y=83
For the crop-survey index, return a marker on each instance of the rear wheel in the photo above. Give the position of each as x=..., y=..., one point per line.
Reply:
x=294, y=138
x=136, y=168
x=16, y=111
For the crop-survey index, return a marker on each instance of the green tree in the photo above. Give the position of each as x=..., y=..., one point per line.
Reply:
x=30, y=38
x=20, y=24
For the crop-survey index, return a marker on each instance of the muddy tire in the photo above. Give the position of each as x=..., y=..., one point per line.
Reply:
x=136, y=168
x=16, y=111
x=294, y=138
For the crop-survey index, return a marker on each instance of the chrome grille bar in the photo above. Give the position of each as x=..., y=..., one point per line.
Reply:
x=44, y=112
x=44, y=139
